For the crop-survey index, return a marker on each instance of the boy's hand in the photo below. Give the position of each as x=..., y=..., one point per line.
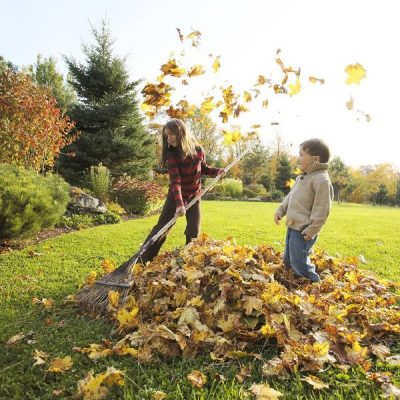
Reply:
x=307, y=236
x=221, y=172
x=277, y=218
x=180, y=211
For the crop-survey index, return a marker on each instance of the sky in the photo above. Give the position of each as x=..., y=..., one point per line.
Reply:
x=321, y=37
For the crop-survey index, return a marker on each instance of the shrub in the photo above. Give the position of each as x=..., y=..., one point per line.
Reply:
x=107, y=218
x=248, y=193
x=99, y=181
x=137, y=197
x=277, y=195
x=83, y=221
x=76, y=221
x=257, y=189
x=229, y=188
x=115, y=208
x=29, y=202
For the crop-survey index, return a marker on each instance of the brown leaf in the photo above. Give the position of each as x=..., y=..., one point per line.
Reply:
x=197, y=378
x=264, y=392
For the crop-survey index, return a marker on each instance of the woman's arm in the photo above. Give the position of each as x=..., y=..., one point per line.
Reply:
x=175, y=179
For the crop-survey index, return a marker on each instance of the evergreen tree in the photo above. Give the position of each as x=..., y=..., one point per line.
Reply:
x=283, y=174
x=255, y=165
x=5, y=64
x=45, y=73
x=381, y=194
x=106, y=115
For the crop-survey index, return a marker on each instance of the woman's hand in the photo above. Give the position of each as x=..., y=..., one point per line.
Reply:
x=277, y=218
x=221, y=172
x=180, y=211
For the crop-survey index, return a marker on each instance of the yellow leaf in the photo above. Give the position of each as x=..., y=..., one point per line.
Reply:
x=312, y=79
x=59, y=365
x=350, y=103
x=90, y=388
x=197, y=378
x=46, y=303
x=290, y=183
x=295, y=88
x=264, y=392
x=108, y=266
x=236, y=136
x=113, y=298
x=40, y=357
x=172, y=68
x=127, y=318
x=195, y=36
x=91, y=278
x=355, y=73
x=196, y=70
x=96, y=351
x=315, y=382
x=124, y=349
x=159, y=395
x=268, y=330
x=246, y=97
x=260, y=80
x=216, y=64
x=149, y=110
x=227, y=138
x=207, y=105
x=265, y=103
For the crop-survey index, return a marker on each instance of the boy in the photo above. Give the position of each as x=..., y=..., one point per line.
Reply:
x=306, y=207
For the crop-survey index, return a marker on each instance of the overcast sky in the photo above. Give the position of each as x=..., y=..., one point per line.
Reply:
x=320, y=37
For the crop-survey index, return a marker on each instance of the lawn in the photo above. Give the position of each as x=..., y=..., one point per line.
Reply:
x=56, y=267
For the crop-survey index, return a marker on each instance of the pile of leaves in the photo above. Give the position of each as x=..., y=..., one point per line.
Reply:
x=230, y=301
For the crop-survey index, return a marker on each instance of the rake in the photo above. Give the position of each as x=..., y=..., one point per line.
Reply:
x=95, y=298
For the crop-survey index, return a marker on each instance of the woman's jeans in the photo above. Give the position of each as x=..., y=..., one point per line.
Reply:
x=193, y=217
x=297, y=254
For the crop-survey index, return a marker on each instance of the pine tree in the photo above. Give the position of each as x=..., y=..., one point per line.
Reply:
x=381, y=195
x=283, y=174
x=106, y=114
x=44, y=73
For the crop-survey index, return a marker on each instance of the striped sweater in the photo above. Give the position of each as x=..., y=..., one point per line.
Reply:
x=185, y=175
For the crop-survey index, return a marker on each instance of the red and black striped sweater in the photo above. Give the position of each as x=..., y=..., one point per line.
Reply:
x=185, y=174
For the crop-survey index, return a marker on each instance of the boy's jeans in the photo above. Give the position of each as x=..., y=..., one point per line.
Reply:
x=296, y=255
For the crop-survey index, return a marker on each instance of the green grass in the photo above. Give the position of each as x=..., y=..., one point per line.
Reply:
x=352, y=230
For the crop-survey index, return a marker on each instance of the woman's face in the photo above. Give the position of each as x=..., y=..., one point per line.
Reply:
x=171, y=137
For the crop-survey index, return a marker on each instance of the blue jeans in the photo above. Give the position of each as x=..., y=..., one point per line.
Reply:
x=297, y=254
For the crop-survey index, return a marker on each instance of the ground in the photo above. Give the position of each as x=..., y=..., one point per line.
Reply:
x=54, y=268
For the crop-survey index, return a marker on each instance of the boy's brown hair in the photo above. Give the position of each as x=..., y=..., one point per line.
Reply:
x=316, y=147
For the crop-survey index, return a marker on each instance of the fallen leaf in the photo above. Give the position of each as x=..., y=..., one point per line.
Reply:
x=59, y=365
x=159, y=395
x=380, y=350
x=40, y=357
x=315, y=382
x=197, y=378
x=264, y=392
x=15, y=339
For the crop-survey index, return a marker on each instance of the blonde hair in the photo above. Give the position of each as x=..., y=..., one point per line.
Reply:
x=186, y=142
